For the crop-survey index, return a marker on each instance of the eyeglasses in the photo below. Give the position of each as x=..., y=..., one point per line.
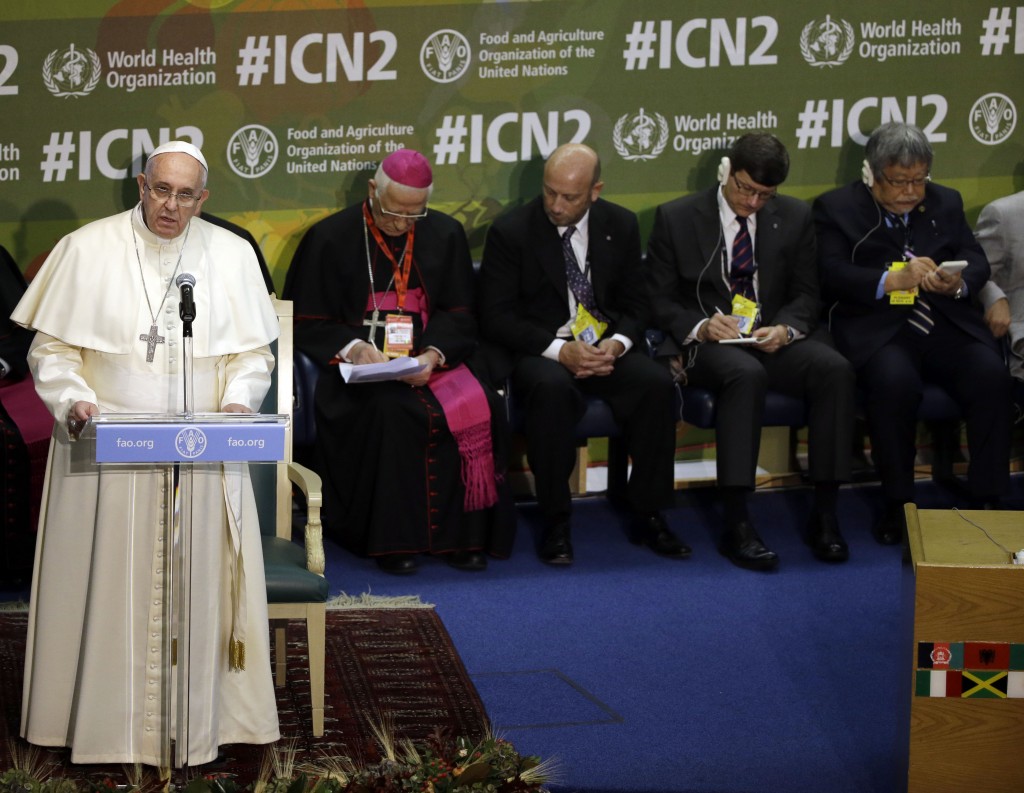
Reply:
x=901, y=184
x=752, y=192
x=399, y=215
x=163, y=195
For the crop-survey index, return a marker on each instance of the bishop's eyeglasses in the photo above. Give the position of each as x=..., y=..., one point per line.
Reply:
x=398, y=215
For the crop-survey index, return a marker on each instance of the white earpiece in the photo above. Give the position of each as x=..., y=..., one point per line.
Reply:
x=866, y=174
x=724, y=171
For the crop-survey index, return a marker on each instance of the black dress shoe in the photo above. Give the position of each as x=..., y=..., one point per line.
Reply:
x=471, y=561
x=741, y=546
x=397, y=563
x=891, y=527
x=651, y=530
x=825, y=540
x=556, y=548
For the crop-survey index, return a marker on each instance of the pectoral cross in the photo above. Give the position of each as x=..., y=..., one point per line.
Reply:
x=152, y=339
x=373, y=324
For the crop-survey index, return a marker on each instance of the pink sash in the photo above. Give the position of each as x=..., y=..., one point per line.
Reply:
x=26, y=409
x=465, y=409
x=469, y=418
x=35, y=424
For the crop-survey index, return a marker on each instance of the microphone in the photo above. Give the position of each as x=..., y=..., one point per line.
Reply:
x=187, y=306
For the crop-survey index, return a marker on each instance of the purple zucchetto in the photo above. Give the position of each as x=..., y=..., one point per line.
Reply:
x=408, y=168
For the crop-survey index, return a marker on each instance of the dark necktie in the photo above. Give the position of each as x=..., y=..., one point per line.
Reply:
x=578, y=283
x=920, y=318
x=741, y=270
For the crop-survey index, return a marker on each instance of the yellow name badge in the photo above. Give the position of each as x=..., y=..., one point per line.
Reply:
x=746, y=310
x=586, y=327
x=397, y=335
x=901, y=297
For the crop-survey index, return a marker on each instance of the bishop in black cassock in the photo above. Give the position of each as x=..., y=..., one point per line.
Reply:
x=409, y=466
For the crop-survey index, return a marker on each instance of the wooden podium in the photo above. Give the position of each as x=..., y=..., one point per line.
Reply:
x=967, y=691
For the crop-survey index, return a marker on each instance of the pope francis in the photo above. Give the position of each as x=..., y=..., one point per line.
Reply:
x=108, y=340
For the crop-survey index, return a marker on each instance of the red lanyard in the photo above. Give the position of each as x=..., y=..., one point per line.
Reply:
x=401, y=273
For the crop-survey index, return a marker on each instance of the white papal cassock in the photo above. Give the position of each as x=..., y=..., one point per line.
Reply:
x=92, y=668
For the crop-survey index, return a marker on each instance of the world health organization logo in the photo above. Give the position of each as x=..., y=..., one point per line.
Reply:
x=445, y=56
x=641, y=136
x=252, y=151
x=827, y=43
x=993, y=118
x=71, y=72
x=190, y=442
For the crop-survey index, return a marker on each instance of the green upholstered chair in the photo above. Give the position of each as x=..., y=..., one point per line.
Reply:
x=296, y=587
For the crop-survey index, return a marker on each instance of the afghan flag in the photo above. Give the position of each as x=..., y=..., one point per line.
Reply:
x=940, y=655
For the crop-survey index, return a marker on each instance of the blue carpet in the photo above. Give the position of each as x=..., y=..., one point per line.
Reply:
x=644, y=674
x=647, y=675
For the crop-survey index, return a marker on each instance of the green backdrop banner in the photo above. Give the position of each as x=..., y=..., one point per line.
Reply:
x=295, y=103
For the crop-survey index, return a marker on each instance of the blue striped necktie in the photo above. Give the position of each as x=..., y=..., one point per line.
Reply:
x=920, y=319
x=741, y=268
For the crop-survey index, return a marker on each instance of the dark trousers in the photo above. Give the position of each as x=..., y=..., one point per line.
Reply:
x=810, y=369
x=975, y=376
x=640, y=394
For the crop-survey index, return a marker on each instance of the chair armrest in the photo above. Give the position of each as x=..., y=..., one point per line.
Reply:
x=310, y=485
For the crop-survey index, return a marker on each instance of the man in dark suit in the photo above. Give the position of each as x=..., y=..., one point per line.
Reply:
x=561, y=289
x=736, y=263
x=902, y=321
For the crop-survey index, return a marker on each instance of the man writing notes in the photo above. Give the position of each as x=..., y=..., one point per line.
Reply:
x=562, y=289
x=108, y=341
x=899, y=264
x=736, y=263
x=408, y=465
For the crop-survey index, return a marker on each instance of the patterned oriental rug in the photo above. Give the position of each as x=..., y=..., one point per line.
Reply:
x=393, y=665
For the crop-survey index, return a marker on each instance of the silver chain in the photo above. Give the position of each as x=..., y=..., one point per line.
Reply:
x=138, y=258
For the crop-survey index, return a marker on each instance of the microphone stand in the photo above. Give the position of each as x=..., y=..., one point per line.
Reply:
x=181, y=596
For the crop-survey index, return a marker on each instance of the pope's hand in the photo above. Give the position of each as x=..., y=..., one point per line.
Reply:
x=79, y=414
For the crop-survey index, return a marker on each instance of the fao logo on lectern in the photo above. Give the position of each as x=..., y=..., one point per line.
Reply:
x=190, y=443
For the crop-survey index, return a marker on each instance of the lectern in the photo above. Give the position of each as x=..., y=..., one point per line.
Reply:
x=967, y=661
x=177, y=443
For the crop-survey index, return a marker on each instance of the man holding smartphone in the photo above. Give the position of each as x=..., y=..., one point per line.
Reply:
x=735, y=288
x=904, y=319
